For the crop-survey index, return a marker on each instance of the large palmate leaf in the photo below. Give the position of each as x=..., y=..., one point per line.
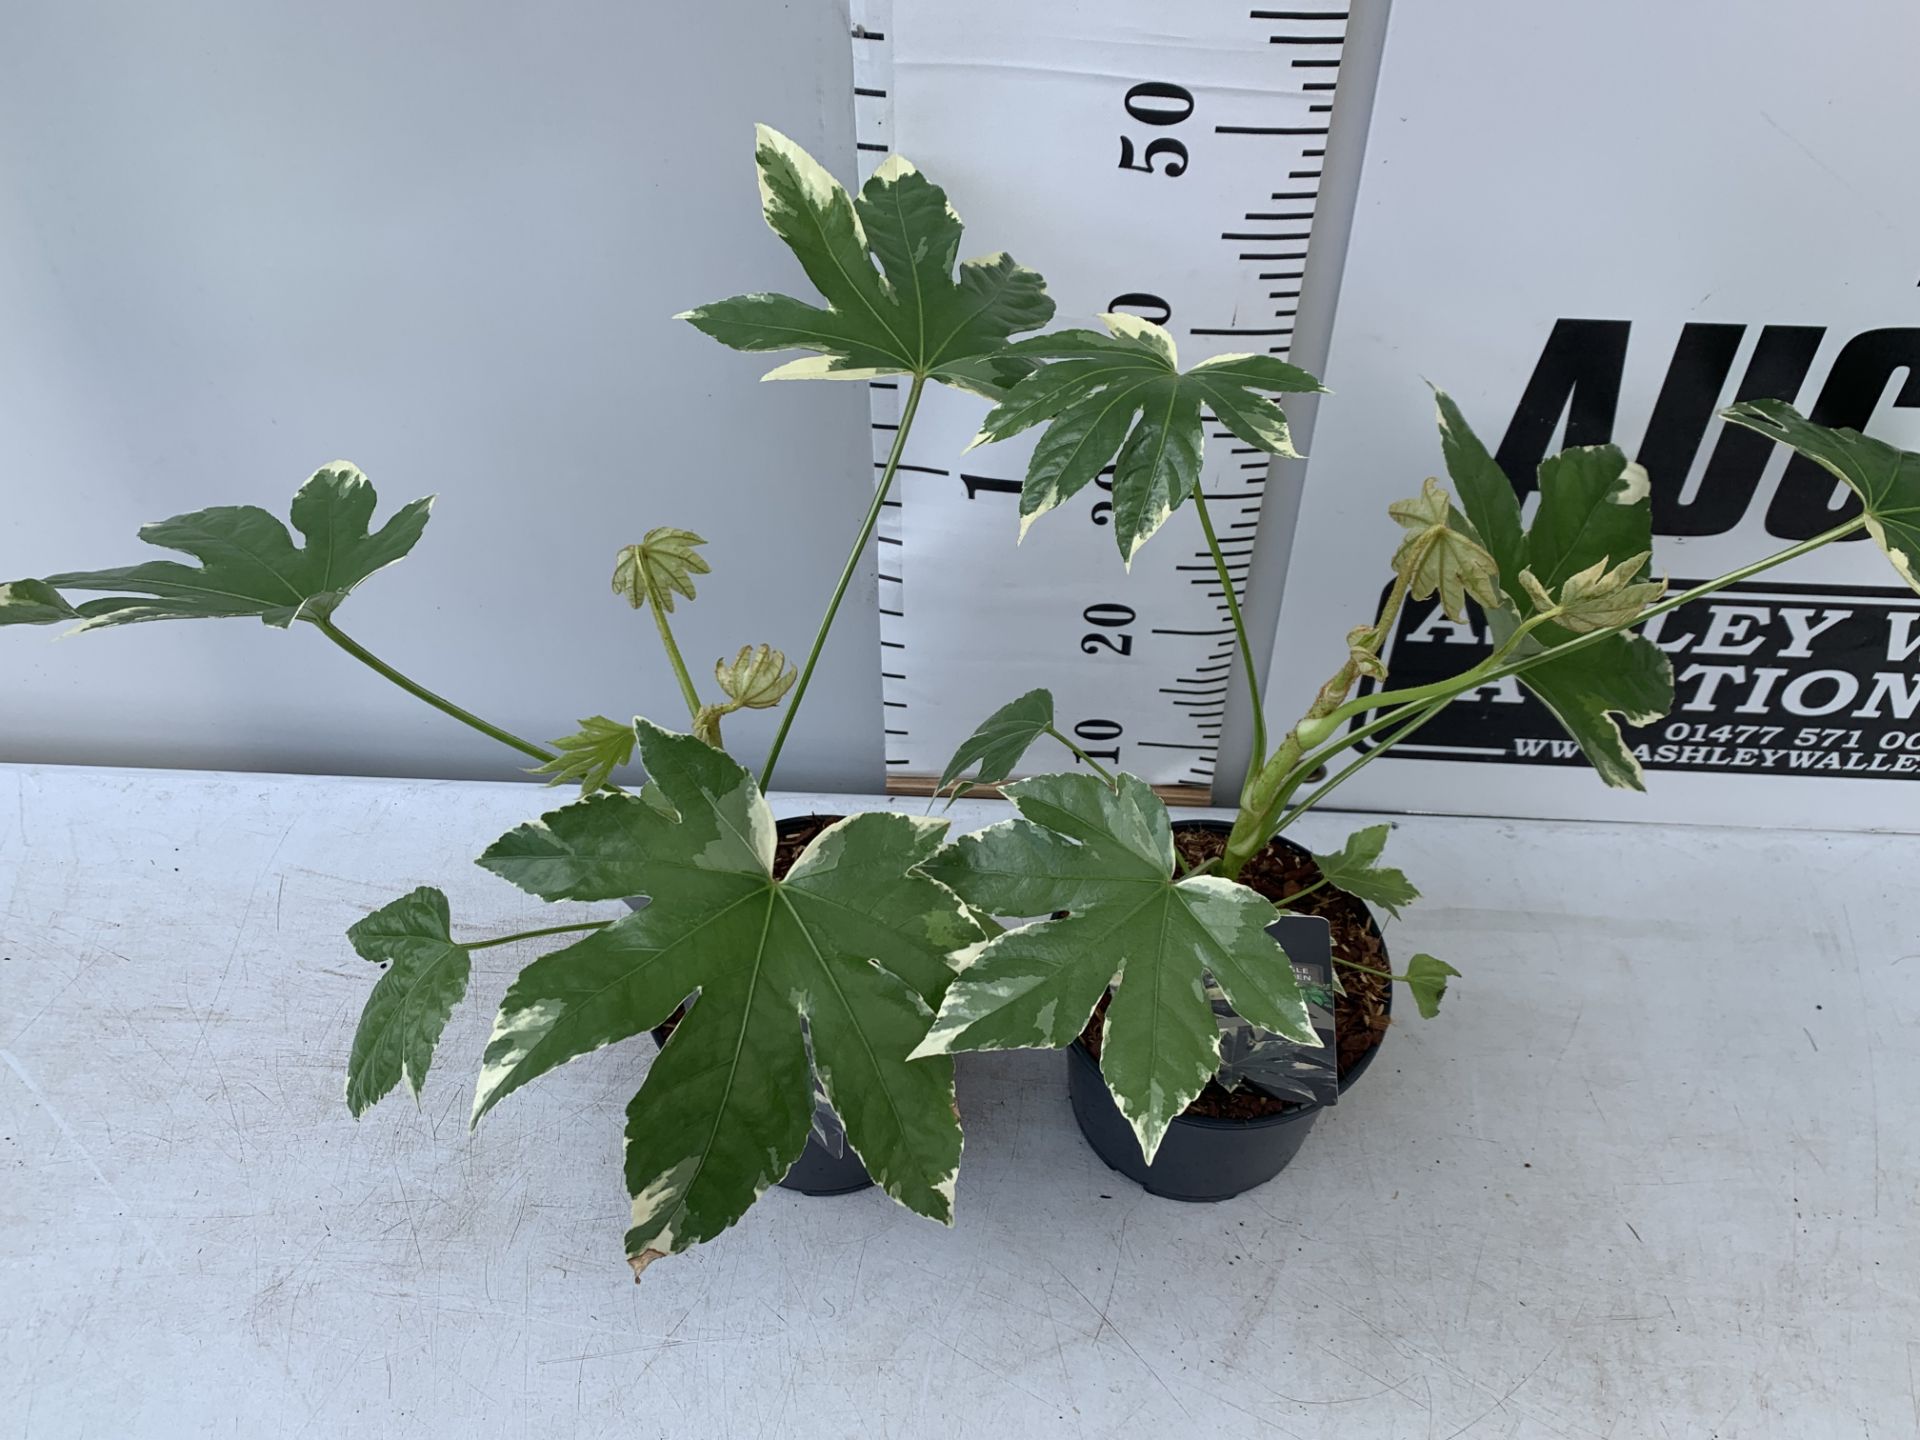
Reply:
x=1124, y=392
x=853, y=941
x=410, y=1003
x=1105, y=856
x=1886, y=480
x=249, y=564
x=911, y=314
x=1593, y=510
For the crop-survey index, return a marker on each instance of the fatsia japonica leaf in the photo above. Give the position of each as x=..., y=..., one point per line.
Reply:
x=1105, y=855
x=1355, y=868
x=665, y=561
x=1600, y=597
x=1887, y=480
x=999, y=743
x=590, y=755
x=911, y=313
x=853, y=941
x=404, y=1016
x=1427, y=979
x=1121, y=399
x=1437, y=559
x=1594, y=508
x=249, y=564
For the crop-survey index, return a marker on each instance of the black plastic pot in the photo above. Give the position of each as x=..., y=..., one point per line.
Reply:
x=1200, y=1158
x=818, y=1171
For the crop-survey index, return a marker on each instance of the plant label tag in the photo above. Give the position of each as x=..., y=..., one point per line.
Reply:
x=1281, y=1067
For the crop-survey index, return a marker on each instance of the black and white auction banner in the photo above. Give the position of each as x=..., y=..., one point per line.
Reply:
x=1598, y=223
x=1162, y=160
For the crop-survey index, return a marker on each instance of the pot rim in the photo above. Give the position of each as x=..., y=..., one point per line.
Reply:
x=1301, y=1110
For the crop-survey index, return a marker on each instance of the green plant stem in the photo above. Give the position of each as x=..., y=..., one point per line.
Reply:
x=535, y=934
x=656, y=598
x=1300, y=894
x=439, y=702
x=1432, y=708
x=1239, y=624
x=1091, y=763
x=907, y=412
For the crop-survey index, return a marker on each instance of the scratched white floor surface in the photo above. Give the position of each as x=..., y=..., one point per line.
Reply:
x=1654, y=1173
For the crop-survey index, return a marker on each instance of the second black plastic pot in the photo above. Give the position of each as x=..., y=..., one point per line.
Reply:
x=1200, y=1158
x=818, y=1171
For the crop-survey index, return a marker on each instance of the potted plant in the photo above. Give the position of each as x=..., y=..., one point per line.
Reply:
x=789, y=961
x=1157, y=931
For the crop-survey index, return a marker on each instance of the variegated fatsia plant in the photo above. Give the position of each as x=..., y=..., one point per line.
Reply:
x=821, y=980
x=1564, y=595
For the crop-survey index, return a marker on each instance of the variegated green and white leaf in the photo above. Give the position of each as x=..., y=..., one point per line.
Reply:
x=853, y=941
x=912, y=313
x=249, y=565
x=1886, y=479
x=1120, y=399
x=1105, y=856
x=408, y=1009
x=1594, y=509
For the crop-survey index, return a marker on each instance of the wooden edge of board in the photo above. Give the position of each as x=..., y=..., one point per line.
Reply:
x=1174, y=795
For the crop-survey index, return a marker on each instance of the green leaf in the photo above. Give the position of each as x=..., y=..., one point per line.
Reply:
x=1354, y=868
x=1436, y=558
x=1427, y=979
x=1624, y=675
x=249, y=564
x=1106, y=857
x=911, y=314
x=1593, y=507
x=853, y=941
x=664, y=561
x=410, y=1003
x=1120, y=399
x=33, y=602
x=1594, y=510
x=1000, y=741
x=1887, y=480
x=590, y=755
x=1486, y=494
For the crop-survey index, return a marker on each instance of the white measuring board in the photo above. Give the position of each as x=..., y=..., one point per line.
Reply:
x=1160, y=160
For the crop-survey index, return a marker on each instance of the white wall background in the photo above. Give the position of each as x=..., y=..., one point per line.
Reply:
x=443, y=241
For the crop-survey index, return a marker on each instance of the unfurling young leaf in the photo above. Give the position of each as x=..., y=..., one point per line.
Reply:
x=908, y=315
x=1427, y=978
x=249, y=564
x=409, y=1006
x=1593, y=507
x=755, y=679
x=1105, y=855
x=664, y=561
x=590, y=755
x=1095, y=390
x=1436, y=558
x=999, y=742
x=1363, y=649
x=1886, y=480
x=1598, y=597
x=853, y=941
x=1355, y=868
